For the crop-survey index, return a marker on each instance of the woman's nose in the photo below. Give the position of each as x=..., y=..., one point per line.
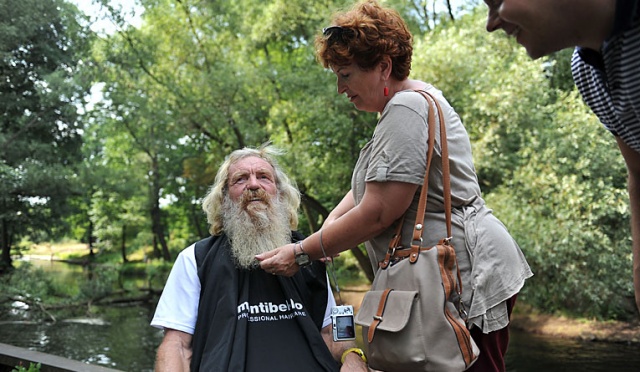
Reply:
x=340, y=87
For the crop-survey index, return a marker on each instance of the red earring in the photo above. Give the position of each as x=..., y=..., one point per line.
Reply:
x=386, y=91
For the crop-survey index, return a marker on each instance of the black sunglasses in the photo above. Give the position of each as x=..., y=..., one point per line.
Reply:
x=338, y=31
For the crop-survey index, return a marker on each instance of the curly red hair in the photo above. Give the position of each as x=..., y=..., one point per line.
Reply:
x=366, y=33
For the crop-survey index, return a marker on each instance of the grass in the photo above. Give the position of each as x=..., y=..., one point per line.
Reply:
x=71, y=250
x=62, y=251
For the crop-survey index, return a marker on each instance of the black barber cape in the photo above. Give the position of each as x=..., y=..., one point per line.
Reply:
x=249, y=320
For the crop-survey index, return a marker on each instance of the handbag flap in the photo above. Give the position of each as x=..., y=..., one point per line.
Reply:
x=396, y=311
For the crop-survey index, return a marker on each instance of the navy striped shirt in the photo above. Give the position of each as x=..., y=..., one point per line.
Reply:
x=609, y=82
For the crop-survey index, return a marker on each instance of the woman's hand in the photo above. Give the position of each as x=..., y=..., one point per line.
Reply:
x=280, y=261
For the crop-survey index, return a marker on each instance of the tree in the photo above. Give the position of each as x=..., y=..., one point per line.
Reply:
x=229, y=74
x=190, y=93
x=41, y=49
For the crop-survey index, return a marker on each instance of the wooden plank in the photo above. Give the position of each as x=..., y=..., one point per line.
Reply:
x=11, y=356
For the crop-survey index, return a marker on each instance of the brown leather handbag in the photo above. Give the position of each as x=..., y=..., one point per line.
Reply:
x=412, y=318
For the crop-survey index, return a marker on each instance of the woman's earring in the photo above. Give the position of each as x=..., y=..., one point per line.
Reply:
x=386, y=91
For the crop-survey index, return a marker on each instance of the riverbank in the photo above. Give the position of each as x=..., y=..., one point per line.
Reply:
x=530, y=320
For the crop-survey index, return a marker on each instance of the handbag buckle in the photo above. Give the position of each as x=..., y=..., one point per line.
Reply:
x=388, y=258
x=462, y=310
x=391, y=251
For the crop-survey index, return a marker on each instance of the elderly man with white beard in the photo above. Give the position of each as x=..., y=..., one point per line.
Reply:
x=221, y=312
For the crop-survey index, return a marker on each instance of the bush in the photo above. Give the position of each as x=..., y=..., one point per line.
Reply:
x=33, y=367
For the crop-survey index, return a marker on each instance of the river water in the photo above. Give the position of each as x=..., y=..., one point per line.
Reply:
x=121, y=338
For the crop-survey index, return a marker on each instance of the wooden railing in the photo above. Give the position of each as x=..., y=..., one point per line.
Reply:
x=12, y=356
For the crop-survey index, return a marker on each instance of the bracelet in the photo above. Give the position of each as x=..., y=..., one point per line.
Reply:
x=301, y=247
x=356, y=350
x=322, y=245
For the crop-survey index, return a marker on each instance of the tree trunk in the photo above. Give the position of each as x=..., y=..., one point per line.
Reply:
x=123, y=245
x=156, y=213
x=90, y=238
x=195, y=215
x=154, y=244
x=158, y=231
x=5, y=263
x=313, y=225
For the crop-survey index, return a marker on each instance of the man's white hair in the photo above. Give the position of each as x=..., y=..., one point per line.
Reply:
x=288, y=193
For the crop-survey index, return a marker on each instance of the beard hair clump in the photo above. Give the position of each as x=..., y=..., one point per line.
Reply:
x=254, y=228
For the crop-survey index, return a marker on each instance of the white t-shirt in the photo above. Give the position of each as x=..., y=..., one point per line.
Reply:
x=178, y=305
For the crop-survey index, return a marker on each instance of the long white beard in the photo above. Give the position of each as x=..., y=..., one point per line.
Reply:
x=254, y=228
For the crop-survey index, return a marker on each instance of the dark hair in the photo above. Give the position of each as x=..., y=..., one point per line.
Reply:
x=363, y=35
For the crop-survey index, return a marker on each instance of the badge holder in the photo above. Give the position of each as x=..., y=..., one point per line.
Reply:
x=341, y=315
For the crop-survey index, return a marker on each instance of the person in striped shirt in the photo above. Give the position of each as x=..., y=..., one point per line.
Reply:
x=605, y=67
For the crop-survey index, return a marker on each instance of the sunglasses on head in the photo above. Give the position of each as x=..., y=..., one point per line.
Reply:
x=338, y=31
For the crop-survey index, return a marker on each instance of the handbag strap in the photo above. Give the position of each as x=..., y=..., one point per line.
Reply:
x=379, y=314
x=414, y=253
x=422, y=202
x=416, y=242
x=446, y=183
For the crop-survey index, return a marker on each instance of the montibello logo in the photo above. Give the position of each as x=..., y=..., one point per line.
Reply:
x=267, y=311
x=269, y=307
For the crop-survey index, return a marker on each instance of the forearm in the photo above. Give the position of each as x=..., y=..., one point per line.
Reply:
x=381, y=206
x=352, y=361
x=632, y=158
x=173, y=355
x=345, y=205
x=634, y=202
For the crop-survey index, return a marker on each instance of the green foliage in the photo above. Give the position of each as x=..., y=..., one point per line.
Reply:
x=499, y=108
x=157, y=273
x=199, y=79
x=568, y=209
x=549, y=170
x=100, y=282
x=347, y=270
x=558, y=70
x=41, y=48
x=33, y=367
x=31, y=284
x=35, y=287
